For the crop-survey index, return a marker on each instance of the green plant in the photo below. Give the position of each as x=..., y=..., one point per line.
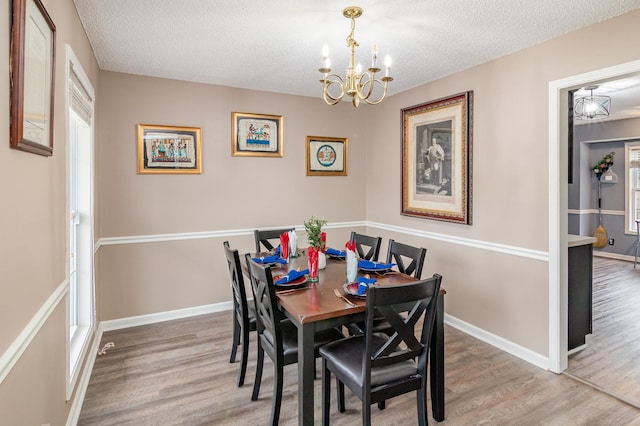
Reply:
x=313, y=228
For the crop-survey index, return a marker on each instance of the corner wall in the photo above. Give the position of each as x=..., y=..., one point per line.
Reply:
x=33, y=246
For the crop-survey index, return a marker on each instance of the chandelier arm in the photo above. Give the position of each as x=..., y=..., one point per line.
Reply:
x=369, y=82
x=383, y=85
x=328, y=81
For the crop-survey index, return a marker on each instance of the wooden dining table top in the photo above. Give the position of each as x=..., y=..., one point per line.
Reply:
x=318, y=301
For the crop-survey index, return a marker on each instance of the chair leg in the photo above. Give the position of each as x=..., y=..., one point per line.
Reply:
x=245, y=356
x=340, y=391
x=236, y=338
x=256, y=382
x=422, y=407
x=366, y=412
x=277, y=392
x=326, y=393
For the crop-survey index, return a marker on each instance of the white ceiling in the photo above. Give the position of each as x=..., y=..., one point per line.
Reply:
x=276, y=45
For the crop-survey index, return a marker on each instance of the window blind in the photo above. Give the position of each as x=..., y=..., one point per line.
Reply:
x=81, y=102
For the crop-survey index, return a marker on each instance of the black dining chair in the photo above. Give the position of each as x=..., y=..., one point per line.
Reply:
x=400, y=253
x=244, y=314
x=276, y=338
x=378, y=366
x=367, y=247
x=264, y=238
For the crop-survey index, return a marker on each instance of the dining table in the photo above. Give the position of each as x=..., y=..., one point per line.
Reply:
x=315, y=306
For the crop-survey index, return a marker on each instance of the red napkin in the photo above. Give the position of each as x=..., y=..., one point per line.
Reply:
x=284, y=245
x=350, y=246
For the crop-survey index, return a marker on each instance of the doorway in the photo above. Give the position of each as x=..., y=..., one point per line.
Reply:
x=558, y=199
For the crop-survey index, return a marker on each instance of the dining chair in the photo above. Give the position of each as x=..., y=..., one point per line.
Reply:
x=368, y=243
x=398, y=253
x=377, y=366
x=264, y=237
x=244, y=314
x=276, y=338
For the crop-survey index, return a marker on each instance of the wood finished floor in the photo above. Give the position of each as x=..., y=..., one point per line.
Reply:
x=611, y=360
x=178, y=373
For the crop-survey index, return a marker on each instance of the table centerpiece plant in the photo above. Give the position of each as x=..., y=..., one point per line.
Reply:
x=317, y=240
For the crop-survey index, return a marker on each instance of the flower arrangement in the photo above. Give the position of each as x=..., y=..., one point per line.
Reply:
x=313, y=228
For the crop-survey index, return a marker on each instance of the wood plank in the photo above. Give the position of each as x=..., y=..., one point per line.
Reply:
x=178, y=372
x=611, y=360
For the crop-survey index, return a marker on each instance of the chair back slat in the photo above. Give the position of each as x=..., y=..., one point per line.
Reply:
x=399, y=253
x=263, y=238
x=267, y=314
x=237, y=282
x=402, y=306
x=368, y=247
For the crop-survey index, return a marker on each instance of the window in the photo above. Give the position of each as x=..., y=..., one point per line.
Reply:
x=81, y=312
x=632, y=168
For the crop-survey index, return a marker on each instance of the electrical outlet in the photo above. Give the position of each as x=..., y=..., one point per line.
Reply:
x=611, y=240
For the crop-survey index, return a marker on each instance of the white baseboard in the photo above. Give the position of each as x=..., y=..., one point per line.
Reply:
x=617, y=256
x=118, y=324
x=499, y=342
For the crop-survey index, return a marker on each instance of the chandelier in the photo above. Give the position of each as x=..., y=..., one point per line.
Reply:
x=356, y=84
x=592, y=107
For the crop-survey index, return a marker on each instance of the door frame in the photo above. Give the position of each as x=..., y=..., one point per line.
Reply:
x=558, y=202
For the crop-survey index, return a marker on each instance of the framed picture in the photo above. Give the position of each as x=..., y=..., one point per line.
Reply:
x=169, y=149
x=327, y=156
x=256, y=135
x=437, y=159
x=33, y=53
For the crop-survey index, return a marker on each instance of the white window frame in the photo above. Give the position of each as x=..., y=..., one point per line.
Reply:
x=79, y=336
x=632, y=186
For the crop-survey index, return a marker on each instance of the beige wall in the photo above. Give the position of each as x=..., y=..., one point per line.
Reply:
x=501, y=293
x=231, y=193
x=33, y=238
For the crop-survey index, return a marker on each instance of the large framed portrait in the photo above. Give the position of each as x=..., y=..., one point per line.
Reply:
x=437, y=159
x=33, y=53
x=327, y=156
x=256, y=135
x=169, y=149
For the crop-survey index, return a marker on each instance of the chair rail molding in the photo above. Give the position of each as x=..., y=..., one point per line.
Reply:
x=13, y=353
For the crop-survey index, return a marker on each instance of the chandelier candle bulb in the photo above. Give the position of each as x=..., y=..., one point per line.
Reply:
x=374, y=56
x=387, y=63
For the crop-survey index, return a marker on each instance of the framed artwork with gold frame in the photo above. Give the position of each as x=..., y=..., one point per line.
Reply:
x=327, y=156
x=256, y=135
x=169, y=149
x=33, y=57
x=437, y=159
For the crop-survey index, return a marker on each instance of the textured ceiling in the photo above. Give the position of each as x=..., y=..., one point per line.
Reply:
x=276, y=45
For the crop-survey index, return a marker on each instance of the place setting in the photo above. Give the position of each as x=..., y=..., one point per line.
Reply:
x=292, y=281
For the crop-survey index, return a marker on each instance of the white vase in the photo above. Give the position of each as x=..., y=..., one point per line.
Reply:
x=352, y=266
x=322, y=260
